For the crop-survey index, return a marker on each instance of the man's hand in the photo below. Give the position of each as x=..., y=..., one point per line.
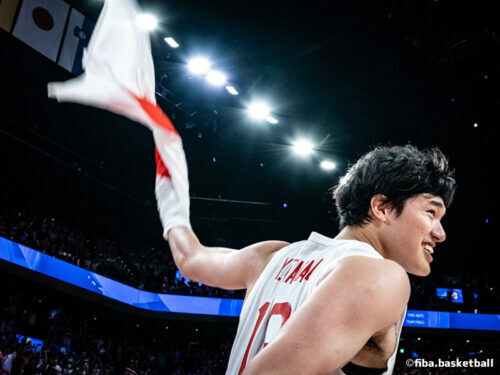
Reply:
x=172, y=184
x=119, y=77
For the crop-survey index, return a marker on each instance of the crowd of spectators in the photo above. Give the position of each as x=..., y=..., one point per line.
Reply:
x=154, y=270
x=71, y=337
x=68, y=336
x=148, y=269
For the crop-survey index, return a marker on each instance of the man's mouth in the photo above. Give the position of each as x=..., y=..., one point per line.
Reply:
x=428, y=250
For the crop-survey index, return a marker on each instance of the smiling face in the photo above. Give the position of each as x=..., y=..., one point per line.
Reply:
x=409, y=239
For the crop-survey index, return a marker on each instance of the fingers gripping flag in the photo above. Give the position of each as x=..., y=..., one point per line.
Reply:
x=119, y=77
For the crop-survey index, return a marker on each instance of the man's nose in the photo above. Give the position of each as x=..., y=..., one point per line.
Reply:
x=438, y=232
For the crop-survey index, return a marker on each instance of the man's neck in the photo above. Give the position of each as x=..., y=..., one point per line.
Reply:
x=363, y=234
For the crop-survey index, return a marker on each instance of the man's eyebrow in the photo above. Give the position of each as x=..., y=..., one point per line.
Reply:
x=438, y=204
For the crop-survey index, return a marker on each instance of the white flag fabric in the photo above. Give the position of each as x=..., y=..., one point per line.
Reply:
x=40, y=24
x=119, y=77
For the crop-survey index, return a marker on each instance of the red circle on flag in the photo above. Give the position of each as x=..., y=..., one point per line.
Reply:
x=42, y=18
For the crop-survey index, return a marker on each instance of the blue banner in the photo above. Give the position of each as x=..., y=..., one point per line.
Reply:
x=36, y=261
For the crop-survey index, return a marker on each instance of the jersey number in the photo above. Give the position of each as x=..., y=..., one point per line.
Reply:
x=283, y=308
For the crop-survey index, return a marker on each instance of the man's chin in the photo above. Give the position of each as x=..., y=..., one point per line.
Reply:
x=427, y=273
x=421, y=271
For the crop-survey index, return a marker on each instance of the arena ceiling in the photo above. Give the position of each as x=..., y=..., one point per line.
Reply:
x=348, y=74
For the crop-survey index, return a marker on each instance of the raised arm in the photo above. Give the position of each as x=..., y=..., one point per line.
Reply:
x=219, y=267
x=216, y=266
x=359, y=299
x=119, y=77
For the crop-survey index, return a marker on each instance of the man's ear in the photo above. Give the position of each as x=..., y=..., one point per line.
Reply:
x=380, y=208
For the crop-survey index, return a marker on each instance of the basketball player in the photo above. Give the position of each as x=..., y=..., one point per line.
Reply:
x=334, y=306
x=319, y=306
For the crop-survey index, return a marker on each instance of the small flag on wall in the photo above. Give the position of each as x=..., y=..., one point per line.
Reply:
x=40, y=24
x=77, y=38
x=7, y=12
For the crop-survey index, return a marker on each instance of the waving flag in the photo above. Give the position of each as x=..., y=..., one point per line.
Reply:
x=119, y=77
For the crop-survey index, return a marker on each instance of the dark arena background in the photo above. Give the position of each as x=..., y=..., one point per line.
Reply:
x=77, y=183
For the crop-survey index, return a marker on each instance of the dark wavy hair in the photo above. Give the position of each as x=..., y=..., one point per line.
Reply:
x=399, y=173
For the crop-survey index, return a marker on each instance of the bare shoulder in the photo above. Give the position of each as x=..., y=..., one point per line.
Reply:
x=359, y=299
x=265, y=248
x=374, y=267
x=382, y=281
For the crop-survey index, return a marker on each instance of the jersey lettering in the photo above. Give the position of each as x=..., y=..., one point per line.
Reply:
x=299, y=273
x=287, y=260
x=284, y=309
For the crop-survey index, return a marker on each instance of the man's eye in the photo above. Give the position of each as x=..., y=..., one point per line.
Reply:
x=433, y=213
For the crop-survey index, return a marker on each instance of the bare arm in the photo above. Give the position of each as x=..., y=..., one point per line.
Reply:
x=362, y=297
x=216, y=266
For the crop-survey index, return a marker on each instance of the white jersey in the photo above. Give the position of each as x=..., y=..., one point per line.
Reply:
x=286, y=282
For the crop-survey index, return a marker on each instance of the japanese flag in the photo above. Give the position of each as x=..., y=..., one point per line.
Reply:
x=40, y=24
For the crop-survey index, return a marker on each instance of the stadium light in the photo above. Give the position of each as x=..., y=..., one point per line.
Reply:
x=216, y=78
x=171, y=42
x=272, y=120
x=198, y=65
x=303, y=147
x=231, y=90
x=258, y=110
x=327, y=165
x=146, y=21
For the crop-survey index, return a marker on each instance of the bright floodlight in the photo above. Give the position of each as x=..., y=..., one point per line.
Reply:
x=147, y=21
x=271, y=119
x=258, y=110
x=302, y=147
x=231, y=90
x=327, y=165
x=171, y=42
x=198, y=65
x=216, y=78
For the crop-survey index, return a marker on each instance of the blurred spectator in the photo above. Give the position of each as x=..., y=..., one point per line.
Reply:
x=147, y=269
x=79, y=338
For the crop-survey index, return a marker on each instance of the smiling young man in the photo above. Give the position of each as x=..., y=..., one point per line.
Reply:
x=334, y=306
x=318, y=306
